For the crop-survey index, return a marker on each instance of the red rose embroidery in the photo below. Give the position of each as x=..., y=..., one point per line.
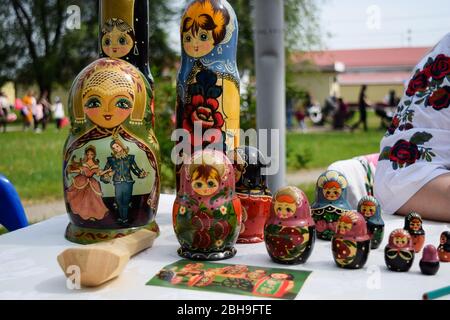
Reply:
x=407, y=126
x=404, y=152
x=440, y=99
x=321, y=225
x=440, y=67
x=418, y=83
x=394, y=125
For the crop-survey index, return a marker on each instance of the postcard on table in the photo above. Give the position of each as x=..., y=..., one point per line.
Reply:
x=234, y=279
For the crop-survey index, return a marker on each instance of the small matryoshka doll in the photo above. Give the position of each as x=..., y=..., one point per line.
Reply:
x=399, y=252
x=444, y=247
x=369, y=207
x=290, y=232
x=331, y=191
x=207, y=212
x=208, y=80
x=351, y=242
x=413, y=224
x=429, y=264
x=111, y=158
x=253, y=192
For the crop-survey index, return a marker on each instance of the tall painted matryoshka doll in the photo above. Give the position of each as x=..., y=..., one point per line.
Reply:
x=124, y=34
x=399, y=252
x=208, y=80
x=331, y=195
x=207, y=212
x=252, y=189
x=111, y=157
x=370, y=209
x=413, y=224
x=351, y=243
x=290, y=232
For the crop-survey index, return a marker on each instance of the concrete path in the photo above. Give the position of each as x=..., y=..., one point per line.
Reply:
x=307, y=176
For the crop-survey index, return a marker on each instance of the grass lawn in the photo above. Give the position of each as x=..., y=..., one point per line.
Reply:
x=320, y=149
x=33, y=163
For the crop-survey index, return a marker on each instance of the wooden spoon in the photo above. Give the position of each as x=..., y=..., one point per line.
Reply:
x=104, y=261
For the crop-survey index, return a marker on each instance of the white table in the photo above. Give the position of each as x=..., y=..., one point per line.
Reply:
x=28, y=268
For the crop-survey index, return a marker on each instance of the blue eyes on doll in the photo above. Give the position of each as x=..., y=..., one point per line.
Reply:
x=123, y=104
x=93, y=103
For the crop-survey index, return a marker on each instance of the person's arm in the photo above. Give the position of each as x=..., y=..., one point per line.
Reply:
x=107, y=172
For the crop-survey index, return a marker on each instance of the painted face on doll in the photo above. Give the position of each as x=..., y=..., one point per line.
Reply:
x=198, y=45
x=205, y=180
x=90, y=155
x=117, y=44
x=443, y=239
x=368, y=209
x=117, y=148
x=415, y=225
x=344, y=226
x=332, y=191
x=108, y=110
x=284, y=210
x=400, y=241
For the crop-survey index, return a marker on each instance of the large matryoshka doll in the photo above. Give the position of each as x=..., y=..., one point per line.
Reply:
x=370, y=209
x=290, y=232
x=252, y=189
x=331, y=195
x=111, y=157
x=207, y=212
x=208, y=80
x=351, y=242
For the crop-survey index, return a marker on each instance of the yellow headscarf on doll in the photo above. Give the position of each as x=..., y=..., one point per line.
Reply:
x=108, y=76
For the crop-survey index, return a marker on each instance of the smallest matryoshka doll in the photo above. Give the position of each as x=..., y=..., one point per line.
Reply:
x=290, y=232
x=331, y=202
x=351, y=242
x=399, y=252
x=444, y=247
x=413, y=224
x=252, y=190
x=369, y=207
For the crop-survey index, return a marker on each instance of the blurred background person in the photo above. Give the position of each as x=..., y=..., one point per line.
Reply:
x=58, y=112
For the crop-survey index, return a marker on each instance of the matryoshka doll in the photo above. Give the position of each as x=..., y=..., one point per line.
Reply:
x=351, y=242
x=331, y=191
x=369, y=207
x=253, y=192
x=124, y=34
x=444, y=247
x=208, y=80
x=399, y=252
x=111, y=158
x=290, y=232
x=207, y=212
x=413, y=224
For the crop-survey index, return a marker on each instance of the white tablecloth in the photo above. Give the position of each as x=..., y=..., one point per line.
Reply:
x=29, y=270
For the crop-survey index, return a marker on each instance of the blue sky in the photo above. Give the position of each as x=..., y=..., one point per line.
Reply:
x=375, y=23
x=383, y=23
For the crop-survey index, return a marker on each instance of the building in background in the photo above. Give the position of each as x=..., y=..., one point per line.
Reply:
x=344, y=71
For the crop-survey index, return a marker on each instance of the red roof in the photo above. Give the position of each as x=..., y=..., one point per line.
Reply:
x=354, y=58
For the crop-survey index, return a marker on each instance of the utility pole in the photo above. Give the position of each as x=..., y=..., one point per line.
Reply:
x=270, y=82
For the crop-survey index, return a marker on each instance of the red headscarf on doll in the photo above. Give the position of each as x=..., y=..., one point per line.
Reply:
x=400, y=239
x=209, y=161
x=352, y=226
x=292, y=195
